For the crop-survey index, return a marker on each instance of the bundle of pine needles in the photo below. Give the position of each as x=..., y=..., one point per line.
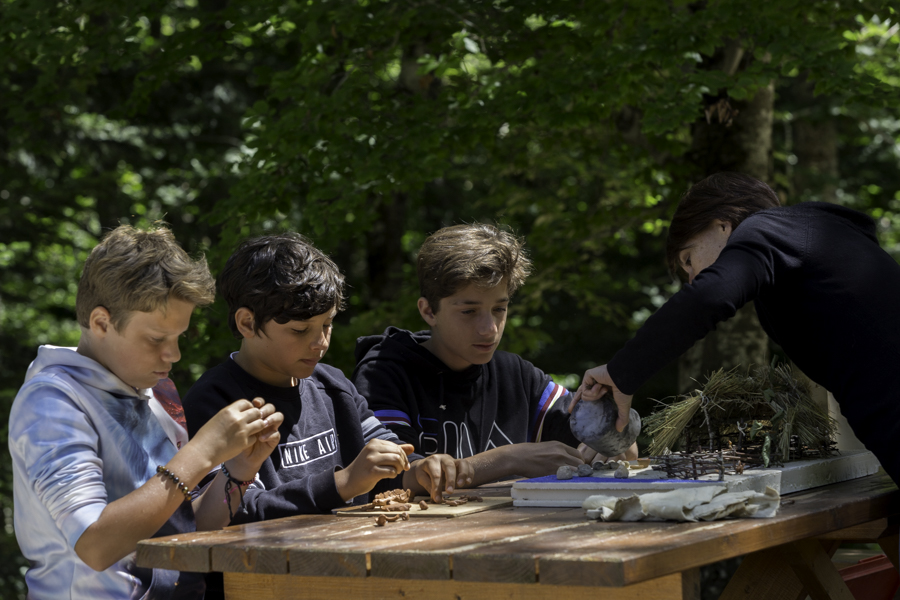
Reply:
x=766, y=412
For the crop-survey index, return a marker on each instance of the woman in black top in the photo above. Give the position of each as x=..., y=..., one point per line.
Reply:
x=822, y=286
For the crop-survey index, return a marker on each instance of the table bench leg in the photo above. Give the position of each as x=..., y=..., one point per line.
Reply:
x=789, y=572
x=891, y=547
x=240, y=586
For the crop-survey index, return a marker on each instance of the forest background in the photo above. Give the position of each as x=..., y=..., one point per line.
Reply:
x=368, y=124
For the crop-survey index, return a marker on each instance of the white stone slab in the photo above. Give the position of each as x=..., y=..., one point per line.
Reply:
x=793, y=477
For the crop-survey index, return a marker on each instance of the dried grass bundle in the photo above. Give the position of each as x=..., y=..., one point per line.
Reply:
x=766, y=413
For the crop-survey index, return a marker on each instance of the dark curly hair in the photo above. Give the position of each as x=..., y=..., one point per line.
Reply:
x=282, y=278
x=730, y=197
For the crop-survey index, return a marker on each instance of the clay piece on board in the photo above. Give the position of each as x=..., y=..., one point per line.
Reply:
x=622, y=471
x=584, y=470
x=566, y=472
x=594, y=423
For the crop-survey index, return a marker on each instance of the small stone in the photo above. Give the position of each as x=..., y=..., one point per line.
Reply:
x=621, y=472
x=584, y=470
x=566, y=472
x=599, y=465
x=612, y=465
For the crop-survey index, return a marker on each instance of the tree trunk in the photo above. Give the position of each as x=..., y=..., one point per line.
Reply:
x=384, y=250
x=746, y=147
x=813, y=141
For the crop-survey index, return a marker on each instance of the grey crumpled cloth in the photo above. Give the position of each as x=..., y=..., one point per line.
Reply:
x=705, y=503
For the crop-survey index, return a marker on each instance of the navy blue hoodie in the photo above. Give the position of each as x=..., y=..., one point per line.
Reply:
x=823, y=289
x=460, y=413
x=326, y=424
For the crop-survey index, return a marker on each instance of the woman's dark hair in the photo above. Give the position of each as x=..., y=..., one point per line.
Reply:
x=730, y=197
x=282, y=278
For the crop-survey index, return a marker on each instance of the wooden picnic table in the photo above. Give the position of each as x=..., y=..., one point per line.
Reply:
x=541, y=553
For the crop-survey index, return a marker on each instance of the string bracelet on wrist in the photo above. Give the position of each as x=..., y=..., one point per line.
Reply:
x=182, y=487
x=230, y=484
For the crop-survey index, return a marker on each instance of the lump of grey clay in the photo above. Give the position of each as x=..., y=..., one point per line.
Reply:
x=566, y=472
x=594, y=423
x=584, y=470
x=598, y=466
x=622, y=471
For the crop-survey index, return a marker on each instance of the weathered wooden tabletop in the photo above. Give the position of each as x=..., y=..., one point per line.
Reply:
x=517, y=547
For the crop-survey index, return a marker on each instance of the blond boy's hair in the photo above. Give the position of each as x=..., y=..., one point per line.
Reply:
x=136, y=270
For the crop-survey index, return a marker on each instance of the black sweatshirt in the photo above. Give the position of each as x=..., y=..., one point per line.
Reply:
x=460, y=413
x=326, y=424
x=823, y=289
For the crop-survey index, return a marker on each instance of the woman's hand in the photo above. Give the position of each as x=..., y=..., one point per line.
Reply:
x=594, y=385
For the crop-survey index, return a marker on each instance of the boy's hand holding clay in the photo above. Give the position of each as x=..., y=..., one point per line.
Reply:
x=379, y=459
x=245, y=465
x=440, y=473
x=237, y=428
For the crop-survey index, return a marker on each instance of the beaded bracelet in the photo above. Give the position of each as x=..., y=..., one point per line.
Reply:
x=182, y=487
x=229, y=482
x=232, y=479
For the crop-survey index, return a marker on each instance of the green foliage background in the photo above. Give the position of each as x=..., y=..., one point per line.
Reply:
x=368, y=124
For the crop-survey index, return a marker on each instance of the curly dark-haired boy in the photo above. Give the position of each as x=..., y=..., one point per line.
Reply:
x=283, y=294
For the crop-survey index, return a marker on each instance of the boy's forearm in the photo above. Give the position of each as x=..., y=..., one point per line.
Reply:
x=140, y=514
x=210, y=508
x=492, y=465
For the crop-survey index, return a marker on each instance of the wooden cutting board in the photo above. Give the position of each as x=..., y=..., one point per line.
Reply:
x=440, y=511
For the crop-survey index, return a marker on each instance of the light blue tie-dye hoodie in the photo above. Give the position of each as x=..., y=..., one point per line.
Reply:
x=80, y=438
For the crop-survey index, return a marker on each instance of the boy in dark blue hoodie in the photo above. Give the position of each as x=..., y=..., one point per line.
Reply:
x=282, y=296
x=449, y=389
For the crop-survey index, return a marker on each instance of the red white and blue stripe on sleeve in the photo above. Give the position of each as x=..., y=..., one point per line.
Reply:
x=393, y=417
x=552, y=393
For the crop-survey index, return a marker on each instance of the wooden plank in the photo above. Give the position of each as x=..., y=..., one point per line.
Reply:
x=313, y=553
x=866, y=532
x=177, y=557
x=434, y=557
x=891, y=547
x=570, y=549
x=514, y=556
x=767, y=574
x=269, y=551
x=812, y=513
x=192, y=551
x=690, y=584
x=778, y=583
x=482, y=565
x=815, y=570
x=239, y=586
x=434, y=511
